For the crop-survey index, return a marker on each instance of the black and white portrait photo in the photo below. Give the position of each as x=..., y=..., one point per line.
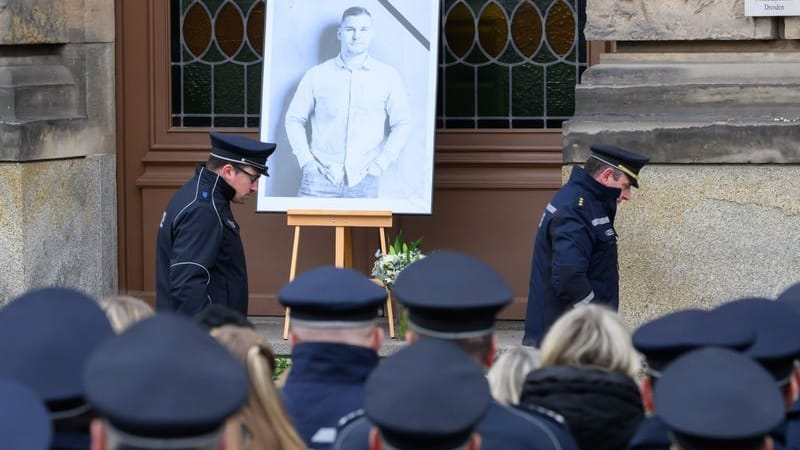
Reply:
x=349, y=92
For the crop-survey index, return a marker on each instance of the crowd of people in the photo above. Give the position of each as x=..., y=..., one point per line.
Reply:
x=113, y=374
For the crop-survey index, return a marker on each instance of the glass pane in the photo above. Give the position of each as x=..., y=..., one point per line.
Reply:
x=460, y=95
x=510, y=63
x=216, y=62
x=493, y=91
x=526, y=91
x=561, y=80
x=229, y=97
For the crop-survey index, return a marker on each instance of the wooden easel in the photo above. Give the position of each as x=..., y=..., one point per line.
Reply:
x=343, y=221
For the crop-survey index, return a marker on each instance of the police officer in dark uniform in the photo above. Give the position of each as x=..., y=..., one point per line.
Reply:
x=46, y=337
x=164, y=383
x=437, y=408
x=575, y=255
x=777, y=349
x=199, y=255
x=715, y=398
x=791, y=298
x=455, y=297
x=666, y=338
x=335, y=341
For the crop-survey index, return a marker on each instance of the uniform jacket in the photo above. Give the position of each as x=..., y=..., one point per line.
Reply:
x=791, y=432
x=326, y=382
x=575, y=254
x=502, y=428
x=199, y=255
x=652, y=434
x=71, y=440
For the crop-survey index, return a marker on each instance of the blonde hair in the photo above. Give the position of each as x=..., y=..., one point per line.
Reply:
x=593, y=336
x=507, y=374
x=123, y=310
x=263, y=422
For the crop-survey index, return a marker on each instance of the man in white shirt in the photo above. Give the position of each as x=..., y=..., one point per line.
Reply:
x=350, y=102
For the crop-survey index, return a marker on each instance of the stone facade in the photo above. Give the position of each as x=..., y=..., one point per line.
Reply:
x=711, y=96
x=57, y=146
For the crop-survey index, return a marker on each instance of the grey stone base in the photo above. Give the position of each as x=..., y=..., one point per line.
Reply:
x=58, y=225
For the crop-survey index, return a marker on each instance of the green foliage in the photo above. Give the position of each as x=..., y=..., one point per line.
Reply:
x=402, y=327
x=281, y=364
x=400, y=246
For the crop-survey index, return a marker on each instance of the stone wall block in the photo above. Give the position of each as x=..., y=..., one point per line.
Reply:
x=791, y=28
x=99, y=82
x=66, y=232
x=98, y=20
x=33, y=22
x=12, y=280
x=696, y=236
x=674, y=20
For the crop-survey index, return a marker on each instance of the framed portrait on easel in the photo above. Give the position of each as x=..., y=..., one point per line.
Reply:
x=349, y=97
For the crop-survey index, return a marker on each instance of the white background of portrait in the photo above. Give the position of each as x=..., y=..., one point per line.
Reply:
x=301, y=34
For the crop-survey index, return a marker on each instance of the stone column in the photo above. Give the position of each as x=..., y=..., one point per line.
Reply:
x=713, y=97
x=57, y=146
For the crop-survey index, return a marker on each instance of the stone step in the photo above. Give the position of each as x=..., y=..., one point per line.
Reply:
x=509, y=334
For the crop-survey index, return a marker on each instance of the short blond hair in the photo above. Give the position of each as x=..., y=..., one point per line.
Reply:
x=507, y=374
x=591, y=336
x=124, y=310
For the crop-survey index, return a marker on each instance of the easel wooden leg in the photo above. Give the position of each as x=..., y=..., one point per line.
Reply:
x=344, y=247
x=389, y=309
x=292, y=272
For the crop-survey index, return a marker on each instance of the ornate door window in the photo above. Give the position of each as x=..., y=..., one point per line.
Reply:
x=216, y=61
x=510, y=64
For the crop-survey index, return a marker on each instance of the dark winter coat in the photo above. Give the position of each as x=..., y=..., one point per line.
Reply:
x=603, y=409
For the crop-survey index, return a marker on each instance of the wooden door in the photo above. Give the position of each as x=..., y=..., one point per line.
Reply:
x=490, y=185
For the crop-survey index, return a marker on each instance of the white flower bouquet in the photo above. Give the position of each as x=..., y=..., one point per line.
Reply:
x=400, y=255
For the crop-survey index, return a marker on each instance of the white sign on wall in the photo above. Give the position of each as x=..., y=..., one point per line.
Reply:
x=772, y=8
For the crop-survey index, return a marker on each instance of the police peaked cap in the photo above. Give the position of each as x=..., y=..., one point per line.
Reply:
x=241, y=150
x=451, y=295
x=332, y=297
x=777, y=334
x=717, y=398
x=165, y=377
x=791, y=297
x=665, y=338
x=46, y=337
x=427, y=396
x=625, y=161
